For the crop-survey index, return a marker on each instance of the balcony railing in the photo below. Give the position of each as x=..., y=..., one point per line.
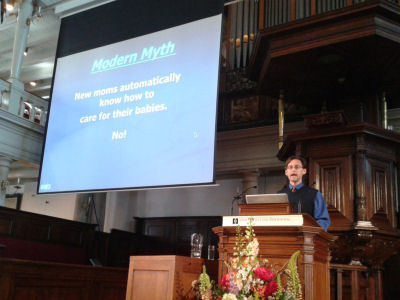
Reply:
x=31, y=107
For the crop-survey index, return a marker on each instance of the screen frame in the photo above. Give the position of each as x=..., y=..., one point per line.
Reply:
x=200, y=10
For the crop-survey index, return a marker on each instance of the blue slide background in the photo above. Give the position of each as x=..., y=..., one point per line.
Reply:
x=170, y=147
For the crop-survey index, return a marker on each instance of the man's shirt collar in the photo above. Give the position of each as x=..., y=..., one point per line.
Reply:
x=299, y=186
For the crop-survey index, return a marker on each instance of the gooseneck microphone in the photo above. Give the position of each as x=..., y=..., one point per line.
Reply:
x=239, y=196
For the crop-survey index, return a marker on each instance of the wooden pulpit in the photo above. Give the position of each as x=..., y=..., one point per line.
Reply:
x=278, y=243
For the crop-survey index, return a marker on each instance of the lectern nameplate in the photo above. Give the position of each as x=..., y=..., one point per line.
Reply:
x=270, y=220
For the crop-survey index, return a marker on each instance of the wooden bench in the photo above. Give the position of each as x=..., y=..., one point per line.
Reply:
x=24, y=279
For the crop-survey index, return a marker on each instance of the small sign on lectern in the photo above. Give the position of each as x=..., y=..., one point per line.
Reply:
x=271, y=220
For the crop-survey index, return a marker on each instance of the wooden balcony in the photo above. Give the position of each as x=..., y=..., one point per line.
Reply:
x=316, y=53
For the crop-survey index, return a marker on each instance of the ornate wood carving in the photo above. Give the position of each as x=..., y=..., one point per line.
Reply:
x=366, y=155
x=360, y=187
x=332, y=176
x=334, y=118
x=381, y=189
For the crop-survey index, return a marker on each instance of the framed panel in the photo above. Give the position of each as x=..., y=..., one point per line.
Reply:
x=380, y=194
x=333, y=177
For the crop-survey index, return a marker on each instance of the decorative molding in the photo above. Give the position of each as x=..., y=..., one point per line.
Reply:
x=334, y=118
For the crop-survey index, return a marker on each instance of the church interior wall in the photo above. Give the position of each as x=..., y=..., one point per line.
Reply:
x=60, y=206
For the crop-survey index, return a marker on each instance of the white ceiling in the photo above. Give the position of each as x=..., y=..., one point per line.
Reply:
x=41, y=43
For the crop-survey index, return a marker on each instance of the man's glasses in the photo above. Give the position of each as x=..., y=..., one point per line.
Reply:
x=297, y=167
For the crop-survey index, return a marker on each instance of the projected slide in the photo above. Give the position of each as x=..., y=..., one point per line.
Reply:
x=138, y=113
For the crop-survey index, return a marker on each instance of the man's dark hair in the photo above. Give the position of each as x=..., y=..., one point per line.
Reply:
x=303, y=161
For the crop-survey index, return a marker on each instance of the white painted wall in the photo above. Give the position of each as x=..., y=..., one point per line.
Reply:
x=61, y=206
x=119, y=211
x=122, y=207
x=191, y=201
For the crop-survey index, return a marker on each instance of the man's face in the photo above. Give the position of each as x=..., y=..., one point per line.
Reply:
x=294, y=172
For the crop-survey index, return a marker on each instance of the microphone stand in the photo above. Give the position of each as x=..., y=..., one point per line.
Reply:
x=235, y=198
x=239, y=196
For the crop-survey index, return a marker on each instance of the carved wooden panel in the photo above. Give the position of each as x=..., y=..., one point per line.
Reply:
x=333, y=178
x=380, y=189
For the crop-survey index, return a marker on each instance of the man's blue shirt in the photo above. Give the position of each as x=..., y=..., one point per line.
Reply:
x=320, y=211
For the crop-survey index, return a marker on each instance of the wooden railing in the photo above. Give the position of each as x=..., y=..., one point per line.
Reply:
x=355, y=282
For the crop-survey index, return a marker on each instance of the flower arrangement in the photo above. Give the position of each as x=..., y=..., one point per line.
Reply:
x=248, y=278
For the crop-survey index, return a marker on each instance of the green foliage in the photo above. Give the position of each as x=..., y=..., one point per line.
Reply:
x=294, y=285
x=205, y=282
x=286, y=296
x=278, y=295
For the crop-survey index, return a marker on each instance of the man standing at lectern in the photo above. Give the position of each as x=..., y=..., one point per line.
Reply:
x=303, y=198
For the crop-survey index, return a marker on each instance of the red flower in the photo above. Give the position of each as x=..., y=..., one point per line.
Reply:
x=264, y=274
x=225, y=280
x=271, y=288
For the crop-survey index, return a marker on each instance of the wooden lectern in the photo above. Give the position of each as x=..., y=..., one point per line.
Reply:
x=165, y=277
x=278, y=243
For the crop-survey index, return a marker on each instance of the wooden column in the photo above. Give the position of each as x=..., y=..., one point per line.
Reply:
x=339, y=287
x=355, y=285
x=361, y=210
x=281, y=115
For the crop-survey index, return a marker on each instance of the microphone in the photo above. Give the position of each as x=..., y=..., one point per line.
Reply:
x=299, y=207
x=239, y=196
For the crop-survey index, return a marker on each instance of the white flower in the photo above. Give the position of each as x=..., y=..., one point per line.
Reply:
x=229, y=297
x=239, y=283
